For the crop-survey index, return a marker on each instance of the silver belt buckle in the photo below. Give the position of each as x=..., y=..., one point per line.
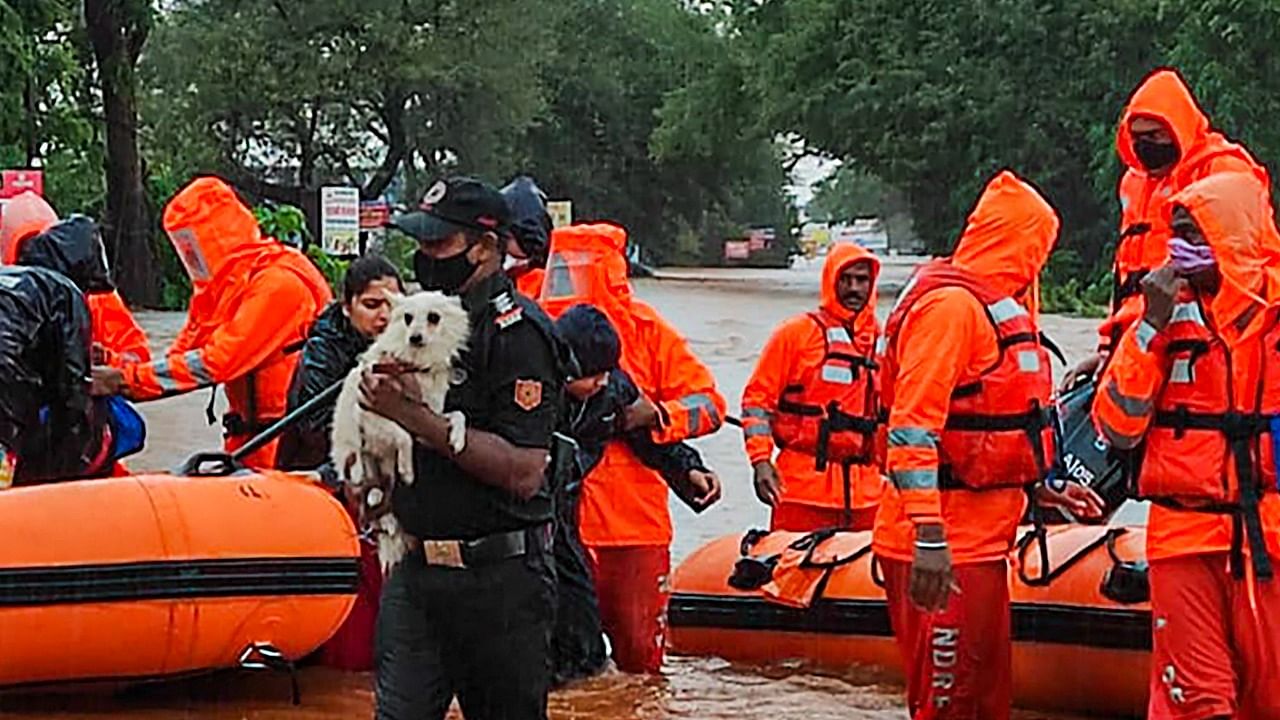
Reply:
x=447, y=553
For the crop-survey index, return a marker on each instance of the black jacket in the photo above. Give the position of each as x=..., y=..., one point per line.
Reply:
x=332, y=348
x=44, y=350
x=598, y=420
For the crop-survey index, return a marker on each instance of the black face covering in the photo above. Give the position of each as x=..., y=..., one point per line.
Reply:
x=446, y=275
x=1154, y=155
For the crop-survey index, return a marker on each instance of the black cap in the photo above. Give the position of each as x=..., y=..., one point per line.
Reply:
x=592, y=338
x=454, y=205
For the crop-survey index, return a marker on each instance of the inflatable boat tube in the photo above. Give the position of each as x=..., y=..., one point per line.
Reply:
x=1082, y=641
x=158, y=575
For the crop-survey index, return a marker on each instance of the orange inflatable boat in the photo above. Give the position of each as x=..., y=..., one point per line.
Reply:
x=159, y=575
x=1082, y=639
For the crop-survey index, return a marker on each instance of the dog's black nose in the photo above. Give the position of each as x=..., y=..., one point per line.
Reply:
x=416, y=340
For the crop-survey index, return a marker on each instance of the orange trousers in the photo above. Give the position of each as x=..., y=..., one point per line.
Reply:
x=1212, y=655
x=631, y=586
x=958, y=662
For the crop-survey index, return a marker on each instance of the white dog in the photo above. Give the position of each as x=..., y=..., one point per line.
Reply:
x=427, y=332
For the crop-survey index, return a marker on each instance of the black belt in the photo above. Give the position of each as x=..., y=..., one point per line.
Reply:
x=486, y=550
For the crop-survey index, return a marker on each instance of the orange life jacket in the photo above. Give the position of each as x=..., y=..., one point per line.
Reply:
x=833, y=412
x=997, y=433
x=1196, y=427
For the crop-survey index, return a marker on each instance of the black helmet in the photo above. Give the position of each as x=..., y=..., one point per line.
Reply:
x=530, y=224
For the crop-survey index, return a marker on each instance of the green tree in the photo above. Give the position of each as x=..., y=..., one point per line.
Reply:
x=653, y=123
x=47, y=107
x=287, y=97
x=934, y=98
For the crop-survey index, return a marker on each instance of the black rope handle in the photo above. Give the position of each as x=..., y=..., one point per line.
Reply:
x=1047, y=575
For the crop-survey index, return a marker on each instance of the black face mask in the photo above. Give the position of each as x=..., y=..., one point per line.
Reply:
x=1154, y=155
x=447, y=275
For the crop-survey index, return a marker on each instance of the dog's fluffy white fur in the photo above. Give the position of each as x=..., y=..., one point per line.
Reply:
x=426, y=333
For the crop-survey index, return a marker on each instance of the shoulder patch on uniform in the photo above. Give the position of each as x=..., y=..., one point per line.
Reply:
x=528, y=394
x=509, y=312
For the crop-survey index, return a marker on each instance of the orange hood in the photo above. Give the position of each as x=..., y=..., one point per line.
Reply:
x=1008, y=237
x=839, y=258
x=1164, y=96
x=221, y=246
x=23, y=216
x=587, y=264
x=1234, y=212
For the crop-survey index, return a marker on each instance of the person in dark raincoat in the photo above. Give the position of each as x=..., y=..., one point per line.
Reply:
x=334, y=344
x=44, y=354
x=343, y=331
x=599, y=396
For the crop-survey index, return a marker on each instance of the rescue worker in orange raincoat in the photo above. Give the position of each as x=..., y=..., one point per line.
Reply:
x=814, y=398
x=968, y=385
x=625, y=522
x=254, y=300
x=1166, y=143
x=1195, y=386
x=117, y=337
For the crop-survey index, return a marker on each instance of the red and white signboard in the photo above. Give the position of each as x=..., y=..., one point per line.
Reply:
x=374, y=214
x=16, y=182
x=737, y=249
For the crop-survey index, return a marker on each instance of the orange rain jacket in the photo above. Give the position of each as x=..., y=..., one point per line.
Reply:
x=794, y=353
x=623, y=502
x=1144, y=198
x=114, y=327
x=1239, y=369
x=253, y=301
x=947, y=341
x=529, y=282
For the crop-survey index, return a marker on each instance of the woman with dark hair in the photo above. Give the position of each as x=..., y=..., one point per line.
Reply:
x=342, y=332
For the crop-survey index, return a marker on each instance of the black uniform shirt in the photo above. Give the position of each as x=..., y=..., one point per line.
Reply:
x=509, y=383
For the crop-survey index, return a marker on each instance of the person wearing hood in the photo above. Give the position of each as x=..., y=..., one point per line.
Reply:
x=968, y=386
x=344, y=330
x=253, y=300
x=1194, y=386
x=469, y=611
x=1166, y=143
x=117, y=337
x=528, y=236
x=624, y=516
x=48, y=427
x=814, y=400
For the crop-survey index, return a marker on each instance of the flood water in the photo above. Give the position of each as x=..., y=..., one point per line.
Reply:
x=726, y=323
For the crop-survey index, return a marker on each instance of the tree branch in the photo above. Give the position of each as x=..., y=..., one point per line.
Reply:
x=392, y=114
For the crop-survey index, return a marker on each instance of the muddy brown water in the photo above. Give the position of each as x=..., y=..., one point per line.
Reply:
x=726, y=321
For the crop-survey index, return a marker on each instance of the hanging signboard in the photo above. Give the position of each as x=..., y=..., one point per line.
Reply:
x=561, y=212
x=340, y=220
x=16, y=182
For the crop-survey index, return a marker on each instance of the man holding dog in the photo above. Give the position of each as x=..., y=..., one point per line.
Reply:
x=469, y=611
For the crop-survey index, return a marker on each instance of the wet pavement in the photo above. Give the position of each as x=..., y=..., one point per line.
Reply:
x=726, y=319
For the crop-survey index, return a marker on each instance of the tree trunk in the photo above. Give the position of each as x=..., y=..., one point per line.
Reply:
x=117, y=30
x=32, y=135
